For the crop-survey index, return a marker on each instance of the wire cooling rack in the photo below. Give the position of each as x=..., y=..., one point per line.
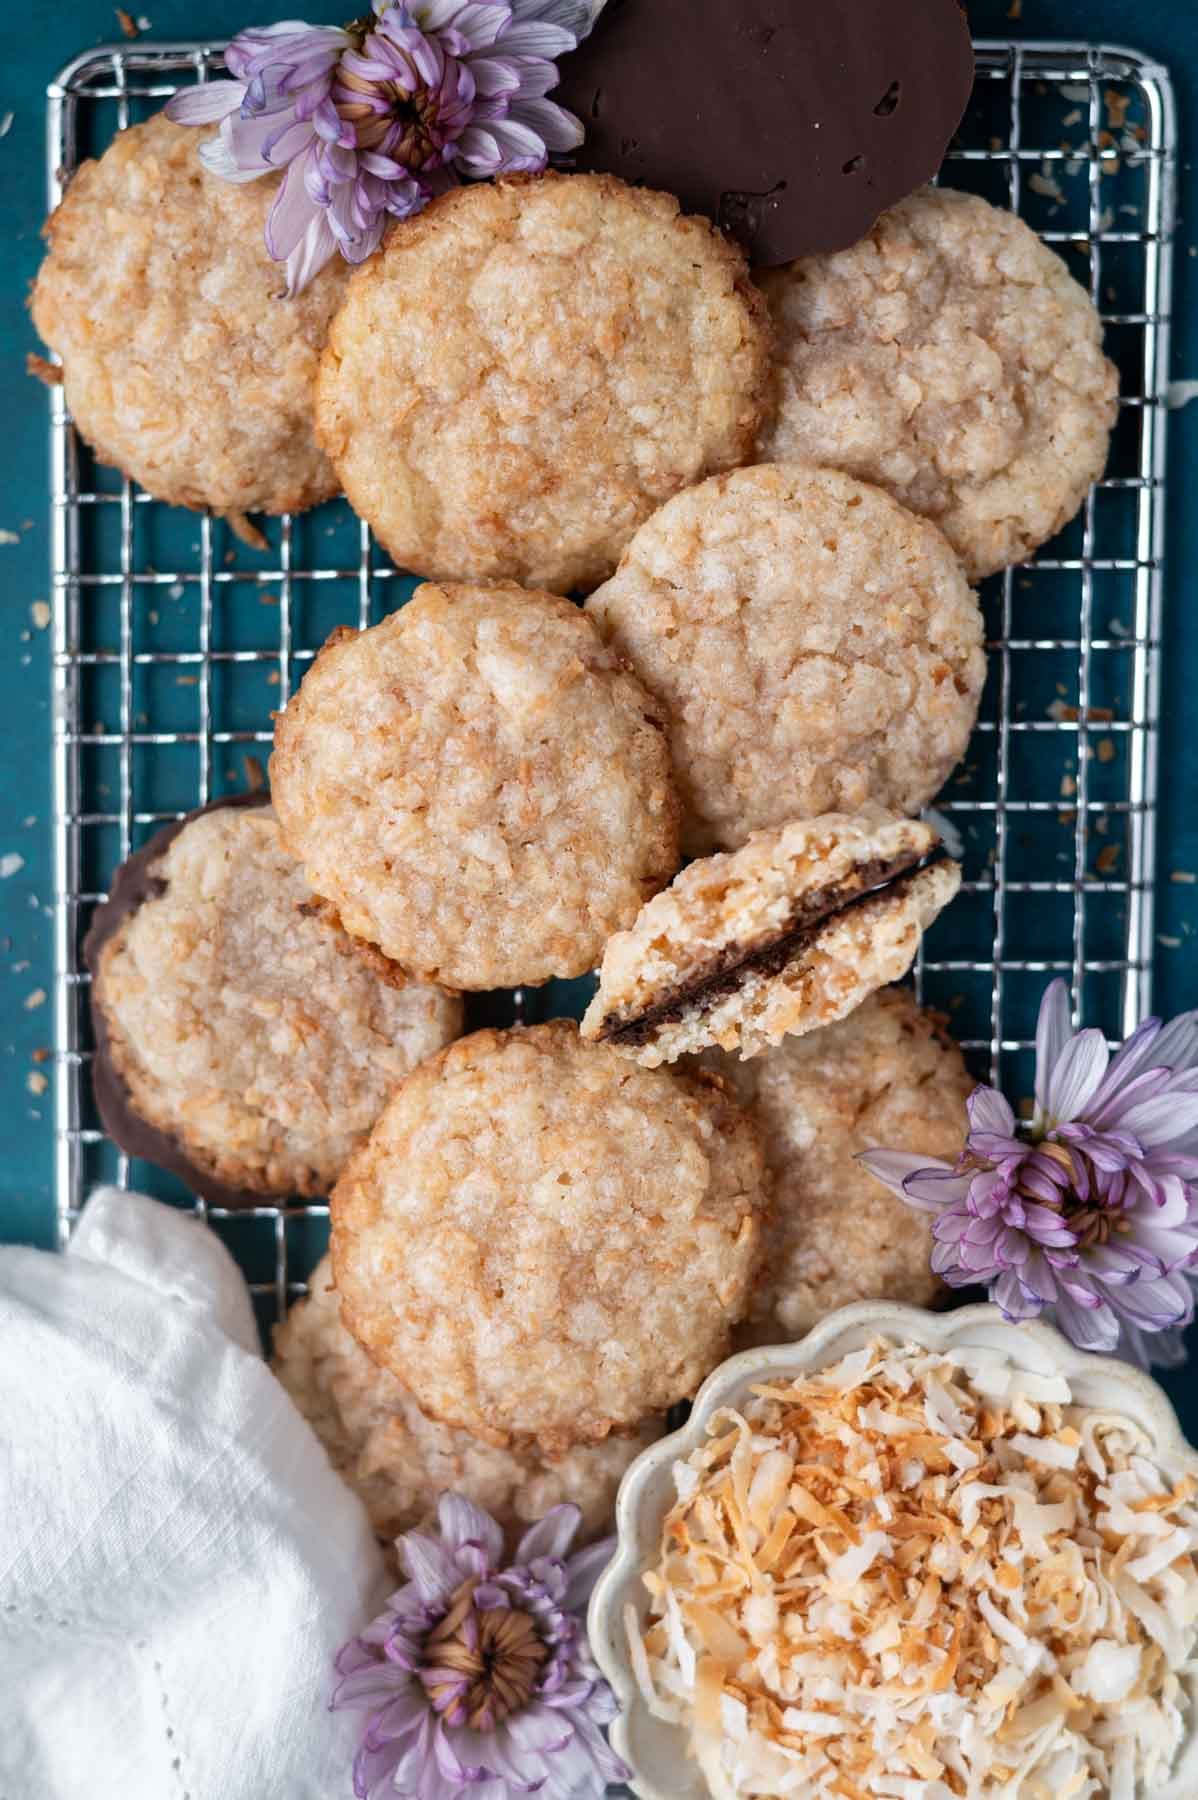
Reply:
x=174, y=642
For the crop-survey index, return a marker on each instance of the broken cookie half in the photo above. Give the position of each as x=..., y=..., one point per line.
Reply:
x=790, y=932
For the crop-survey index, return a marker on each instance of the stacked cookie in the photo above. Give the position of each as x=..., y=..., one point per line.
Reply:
x=775, y=500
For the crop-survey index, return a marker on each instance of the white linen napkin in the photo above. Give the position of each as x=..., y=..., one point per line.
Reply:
x=178, y=1561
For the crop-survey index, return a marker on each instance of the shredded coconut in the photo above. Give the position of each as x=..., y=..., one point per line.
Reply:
x=925, y=1575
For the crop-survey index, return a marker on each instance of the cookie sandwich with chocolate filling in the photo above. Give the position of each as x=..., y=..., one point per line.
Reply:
x=790, y=932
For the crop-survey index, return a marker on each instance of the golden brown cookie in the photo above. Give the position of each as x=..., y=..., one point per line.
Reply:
x=951, y=358
x=241, y=1043
x=398, y=1461
x=543, y=1241
x=889, y=1077
x=478, y=786
x=182, y=362
x=813, y=646
x=529, y=367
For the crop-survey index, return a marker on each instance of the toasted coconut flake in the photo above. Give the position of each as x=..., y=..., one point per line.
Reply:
x=925, y=1575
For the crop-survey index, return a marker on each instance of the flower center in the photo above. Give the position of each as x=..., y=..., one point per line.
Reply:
x=480, y=1666
x=1092, y=1220
x=414, y=111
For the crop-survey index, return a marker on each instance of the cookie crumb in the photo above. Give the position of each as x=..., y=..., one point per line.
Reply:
x=1116, y=109
x=41, y=368
x=255, y=774
x=1043, y=182
x=1183, y=877
x=40, y=613
x=32, y=1001
x=10, y=864
x=36, y=1082
x=126, y=21
x=1107, y=859
x=1105, y=750
x=246, y=532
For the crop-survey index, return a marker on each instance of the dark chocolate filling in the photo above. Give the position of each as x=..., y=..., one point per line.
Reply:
x=791, y=124
x=724, y=973
x=134, y=883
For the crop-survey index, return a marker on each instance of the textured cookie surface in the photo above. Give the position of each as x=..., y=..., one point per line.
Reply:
x=241, y=1027
x=782, y=936
x=399, y=1461
x=887, y=1076
x=183, y=363
x=950, y=357
x=543, y=1241
x=478, y=787
x=814, y=647
x=529, y=368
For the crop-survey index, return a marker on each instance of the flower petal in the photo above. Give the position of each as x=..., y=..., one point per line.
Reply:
x=290, y=216
x=536, y=37
x=1036, y=1277
x=895, y=1168
x=206, y=102
x=1053, y=1031
x=551, y=1536
x=463, y=1523
x=318, y=247
x=1076, y=1075
x=1157, y=1305
x=431, y=1566
x=1132, y=1056
x=583, y=1571
x=557, y=129
x=1115, y=1266
x=498, y=75
x=1166, y=1116
x=1177, y=1046
x=1012, y=1299
x=378, y=1684
x=1095, y=1329
x=990, y=1111
x=216, y=154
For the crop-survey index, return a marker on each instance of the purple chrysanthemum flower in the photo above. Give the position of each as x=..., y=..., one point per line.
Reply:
x=371, y=121
x=477, y=1677
x=1089, y=1213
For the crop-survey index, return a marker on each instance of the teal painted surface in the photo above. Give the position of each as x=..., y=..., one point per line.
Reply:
x=48, y=37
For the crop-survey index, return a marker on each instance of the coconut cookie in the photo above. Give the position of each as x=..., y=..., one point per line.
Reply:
x=950, y=357
x=181, y=362
x=789, y=933
x=240, y=1043
x=543, y=1242
x=398, y=1461
x=886, y=1075
x=528, y=368
x=813, y=645
x=478, y=787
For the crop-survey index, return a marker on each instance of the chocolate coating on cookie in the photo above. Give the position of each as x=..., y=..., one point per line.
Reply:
x=725, y=972
x=134, y=883
x=792, y=125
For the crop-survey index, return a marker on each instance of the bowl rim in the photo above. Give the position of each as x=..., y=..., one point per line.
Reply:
x=819, y=1347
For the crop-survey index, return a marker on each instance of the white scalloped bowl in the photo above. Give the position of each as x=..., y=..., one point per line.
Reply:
x=656, y=1752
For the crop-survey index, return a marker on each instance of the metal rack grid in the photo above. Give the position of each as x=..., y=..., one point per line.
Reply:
x=173, y=642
